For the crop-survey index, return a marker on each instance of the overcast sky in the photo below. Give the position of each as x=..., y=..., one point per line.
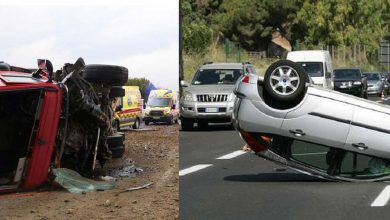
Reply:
x=141, y=35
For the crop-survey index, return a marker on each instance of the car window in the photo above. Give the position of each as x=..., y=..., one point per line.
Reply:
x=314, y=69
x=371, y=76
x=347, y=74
x=310, y=154
x=216, y=76
x=158, y=102
x=359, y=166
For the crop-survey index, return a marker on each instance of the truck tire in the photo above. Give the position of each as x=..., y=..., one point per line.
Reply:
x=187, y=124
x=116, y=144
x=117, y=91
x=136, y=123
x=109, y=74
x=285, y=81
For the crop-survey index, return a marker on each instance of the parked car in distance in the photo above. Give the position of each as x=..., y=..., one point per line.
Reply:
x=314, y=130
x=317, y=64
x=374, y=83
x=350, y=81
x=209, y=97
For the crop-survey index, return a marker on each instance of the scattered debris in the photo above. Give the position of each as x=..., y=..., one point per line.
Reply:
x=75, y=183
x=137, y=188
x=125, y=171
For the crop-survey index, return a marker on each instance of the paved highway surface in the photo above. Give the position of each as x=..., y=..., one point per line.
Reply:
x=218, y=181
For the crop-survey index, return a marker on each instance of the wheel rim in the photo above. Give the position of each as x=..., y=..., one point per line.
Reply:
x=284, y=80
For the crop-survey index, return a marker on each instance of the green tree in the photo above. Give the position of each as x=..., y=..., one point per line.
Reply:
x=145, y=86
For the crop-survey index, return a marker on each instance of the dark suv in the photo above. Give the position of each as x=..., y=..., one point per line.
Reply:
x=350, y=81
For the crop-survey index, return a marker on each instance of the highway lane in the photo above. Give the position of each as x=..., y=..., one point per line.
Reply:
x=249, y=187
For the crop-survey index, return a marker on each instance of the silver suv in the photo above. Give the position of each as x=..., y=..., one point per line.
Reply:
x=209, y=97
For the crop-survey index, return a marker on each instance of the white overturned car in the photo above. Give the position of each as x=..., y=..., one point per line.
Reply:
x=286, y=119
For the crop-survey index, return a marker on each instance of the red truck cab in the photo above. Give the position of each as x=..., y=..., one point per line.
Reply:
x=29, y=110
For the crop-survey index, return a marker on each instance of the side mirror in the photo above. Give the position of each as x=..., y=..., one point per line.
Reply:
x=183, y=83
x=118, y=108
x=49, y=67
x=42, y=65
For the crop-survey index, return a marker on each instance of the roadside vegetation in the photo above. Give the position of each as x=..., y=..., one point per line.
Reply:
x=350, y=29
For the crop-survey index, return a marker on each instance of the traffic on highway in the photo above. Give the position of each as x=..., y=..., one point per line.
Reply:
x=311, y=140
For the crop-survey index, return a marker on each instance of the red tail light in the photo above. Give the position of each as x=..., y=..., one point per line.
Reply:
x=245, y=79
x=252, y=142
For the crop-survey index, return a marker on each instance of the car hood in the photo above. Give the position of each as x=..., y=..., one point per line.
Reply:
x=372, y=82
x=210, y=89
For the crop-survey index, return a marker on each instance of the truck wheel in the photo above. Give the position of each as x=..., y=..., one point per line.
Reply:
x=117, y=91
x=285, y=81
x=109, y=74
x=136, y=123
x=171, y=121
x=116, y=144
x=187, y=124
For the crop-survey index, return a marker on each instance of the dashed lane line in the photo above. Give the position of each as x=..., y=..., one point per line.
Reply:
x=193, y=169
x=231, y=155
x=382, y=198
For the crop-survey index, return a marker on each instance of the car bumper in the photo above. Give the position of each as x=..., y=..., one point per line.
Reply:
x=158, y=118
x=374, y=90
x=352, y=90
x=215, y=111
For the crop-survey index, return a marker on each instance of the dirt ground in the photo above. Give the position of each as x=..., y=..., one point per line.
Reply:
x=156, y=152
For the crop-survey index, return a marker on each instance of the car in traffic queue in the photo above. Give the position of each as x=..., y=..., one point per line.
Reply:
x=128, y=107
x=55, y=119
x=286, y=119
x=209, y=97
x=162, y=106
x=350, y=81
x=317, y=64
x=375, y=85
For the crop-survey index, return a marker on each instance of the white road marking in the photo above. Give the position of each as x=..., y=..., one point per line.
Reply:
x=382, y=198
x=231, y=155
x=193, y=169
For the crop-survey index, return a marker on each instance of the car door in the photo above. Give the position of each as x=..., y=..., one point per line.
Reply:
x=370, y=132
x=319, y=119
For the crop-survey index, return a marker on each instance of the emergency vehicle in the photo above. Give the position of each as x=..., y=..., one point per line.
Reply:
x=162, y=106
x=128, y=108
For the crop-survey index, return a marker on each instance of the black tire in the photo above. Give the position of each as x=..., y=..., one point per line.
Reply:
x=171, y=121
x=108, y=74
x=281, y=87
x=187, y=124
x=136, y=123
x=203, y=125
x=117, y=152
x=115, y=140
x=117, y=91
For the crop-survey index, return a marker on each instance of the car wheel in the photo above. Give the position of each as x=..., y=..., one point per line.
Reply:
x=203, y=125
x=187, y=124
x=109, y=74
x=285, y=81
x=136, y=123
x=117, y=91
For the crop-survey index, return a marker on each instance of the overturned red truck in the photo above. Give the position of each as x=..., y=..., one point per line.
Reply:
x=56, y=119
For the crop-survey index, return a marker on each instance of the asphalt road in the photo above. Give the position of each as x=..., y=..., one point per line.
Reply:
x=244, y=186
